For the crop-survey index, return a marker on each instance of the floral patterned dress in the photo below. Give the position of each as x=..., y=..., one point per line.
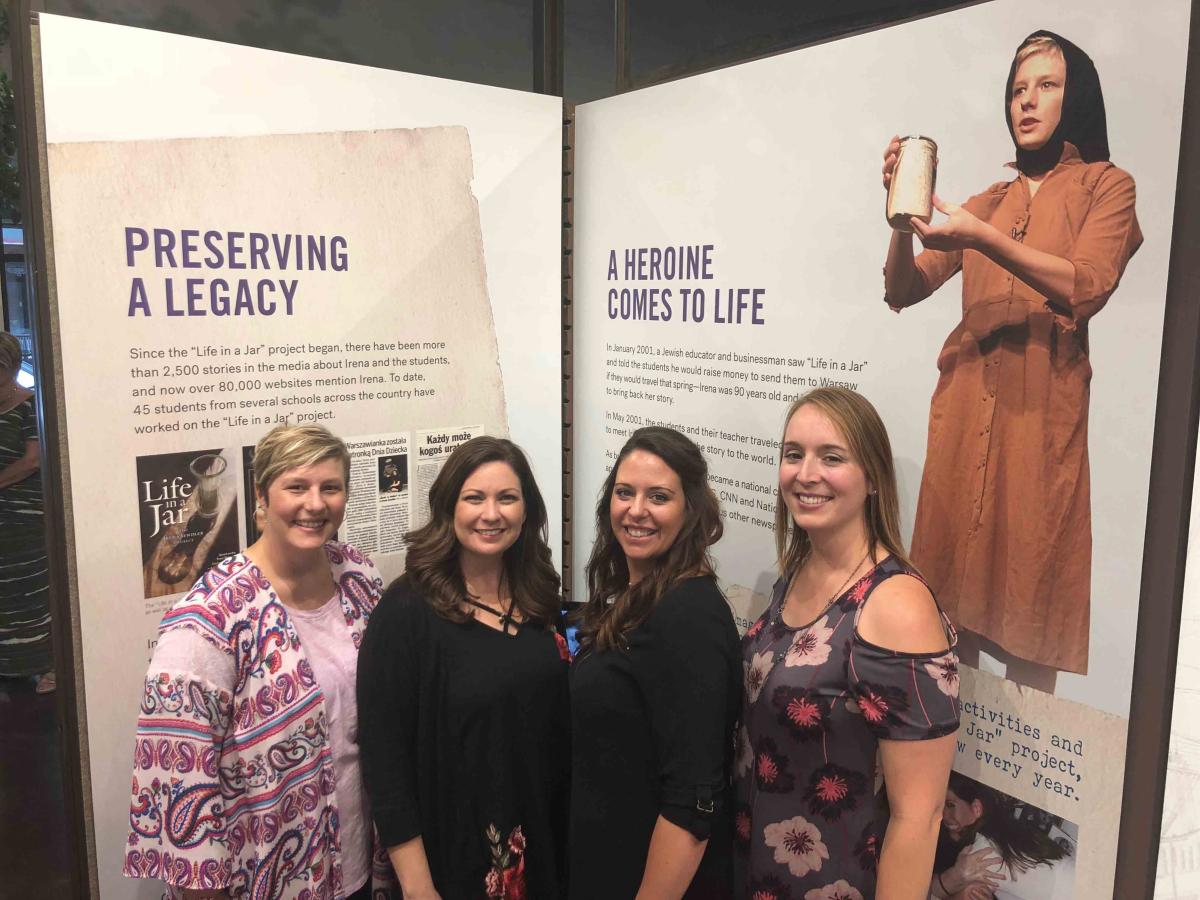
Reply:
x=817, y=701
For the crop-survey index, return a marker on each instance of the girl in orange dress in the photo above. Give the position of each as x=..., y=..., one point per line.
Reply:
x=1003, y=525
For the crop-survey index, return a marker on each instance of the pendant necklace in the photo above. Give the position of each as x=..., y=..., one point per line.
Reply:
x=779, y=654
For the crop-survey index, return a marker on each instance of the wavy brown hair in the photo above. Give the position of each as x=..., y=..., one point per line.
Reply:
x=528, y=567
x=867, y=440
x=614, y=609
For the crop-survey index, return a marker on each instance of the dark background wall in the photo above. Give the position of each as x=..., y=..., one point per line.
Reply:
x=493, y=41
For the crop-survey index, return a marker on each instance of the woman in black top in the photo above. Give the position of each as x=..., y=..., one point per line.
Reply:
x=655, y=688
x=462, y=692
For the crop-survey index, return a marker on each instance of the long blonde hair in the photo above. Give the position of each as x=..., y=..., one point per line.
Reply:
x=867, y=440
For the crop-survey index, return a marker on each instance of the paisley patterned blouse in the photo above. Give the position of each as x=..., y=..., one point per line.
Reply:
x=818, y=700
x=233, y=782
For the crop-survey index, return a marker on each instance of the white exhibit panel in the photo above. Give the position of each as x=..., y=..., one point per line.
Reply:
x=240, y=238
x=729, y=240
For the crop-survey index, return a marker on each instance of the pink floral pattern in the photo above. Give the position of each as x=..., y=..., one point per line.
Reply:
x=769, y=888
x=810, y=647
x=797, y=844
x=811, y=732
x=944, y=672
x=756, y=670
x=839, y=890
x=801, y=711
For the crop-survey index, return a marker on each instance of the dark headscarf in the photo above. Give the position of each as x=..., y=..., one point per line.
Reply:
x=1082, y=122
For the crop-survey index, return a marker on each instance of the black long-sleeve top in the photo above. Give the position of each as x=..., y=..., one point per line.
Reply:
x=652, y=734
x=464, y=741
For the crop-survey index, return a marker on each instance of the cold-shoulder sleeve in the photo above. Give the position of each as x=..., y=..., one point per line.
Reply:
x=904, y=696
x=177, y=816
x=388, y=695
x=688, y=668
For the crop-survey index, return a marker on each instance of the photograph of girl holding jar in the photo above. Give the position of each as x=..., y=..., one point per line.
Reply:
x=1003, y=521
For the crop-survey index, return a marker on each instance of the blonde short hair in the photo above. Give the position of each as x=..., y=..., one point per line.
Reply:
x=287, y=447
x=10, y=352
x=1035, y=45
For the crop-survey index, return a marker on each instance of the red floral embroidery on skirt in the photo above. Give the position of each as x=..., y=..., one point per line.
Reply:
x=506, y=879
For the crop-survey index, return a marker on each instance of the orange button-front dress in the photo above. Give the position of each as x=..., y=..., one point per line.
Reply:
x=1003, y=528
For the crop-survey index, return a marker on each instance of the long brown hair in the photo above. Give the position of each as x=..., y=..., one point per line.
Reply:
x=528, y=567
x=614, y=609
x=867, y=440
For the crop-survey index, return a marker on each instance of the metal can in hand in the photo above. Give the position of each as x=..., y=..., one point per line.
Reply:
x=910, y=193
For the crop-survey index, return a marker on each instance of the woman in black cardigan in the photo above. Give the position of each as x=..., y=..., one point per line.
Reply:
x=462, y=692
x=656, y=687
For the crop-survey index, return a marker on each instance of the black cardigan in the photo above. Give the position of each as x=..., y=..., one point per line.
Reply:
x=463, y=734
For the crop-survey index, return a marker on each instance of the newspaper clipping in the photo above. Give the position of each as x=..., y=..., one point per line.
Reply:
x=379, y=512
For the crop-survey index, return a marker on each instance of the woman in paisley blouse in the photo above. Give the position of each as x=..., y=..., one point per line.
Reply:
x=246, y=775
x=852, y=661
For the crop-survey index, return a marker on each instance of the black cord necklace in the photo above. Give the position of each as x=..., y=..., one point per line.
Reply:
x=506, y=619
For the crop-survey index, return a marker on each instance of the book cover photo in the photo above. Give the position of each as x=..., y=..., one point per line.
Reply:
x=187, y=507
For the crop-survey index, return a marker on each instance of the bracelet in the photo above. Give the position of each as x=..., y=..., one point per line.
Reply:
x=942, y=885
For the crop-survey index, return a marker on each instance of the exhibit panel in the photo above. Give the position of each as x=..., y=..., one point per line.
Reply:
x=240, y=238
x=729, y=237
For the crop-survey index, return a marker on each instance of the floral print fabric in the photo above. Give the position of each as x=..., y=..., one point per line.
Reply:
x=817, y=701
x=506, y=878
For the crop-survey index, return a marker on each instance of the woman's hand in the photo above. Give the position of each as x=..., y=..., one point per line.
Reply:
x=412, y=870
x=973, y=867
x=960, y=231
x=890, y=154
x=974, y=891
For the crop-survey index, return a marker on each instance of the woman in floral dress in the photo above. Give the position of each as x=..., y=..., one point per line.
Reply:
x=851, y=663
x=462, y=684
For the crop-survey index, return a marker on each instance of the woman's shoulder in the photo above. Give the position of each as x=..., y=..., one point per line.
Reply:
x=222, y=596
x=343, y=556
x=22, y=406
x=901, y=614
x=1105, y=177
x=692, y=601
x=404, y=598
x=694, y=589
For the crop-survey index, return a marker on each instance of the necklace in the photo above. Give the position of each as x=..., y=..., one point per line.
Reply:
x=506, y=619
x=503, y=616
x=824, y=609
